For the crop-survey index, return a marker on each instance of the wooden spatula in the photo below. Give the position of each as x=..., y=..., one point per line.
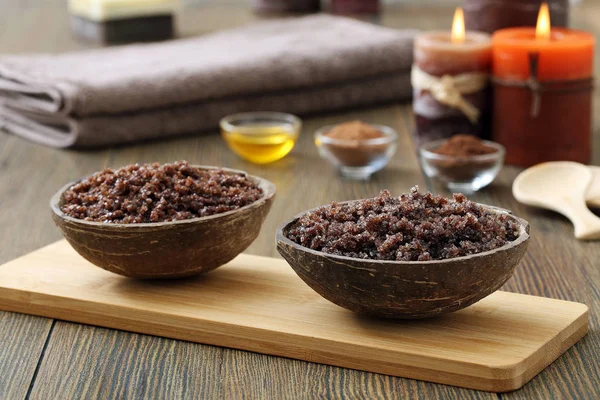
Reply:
x=562, y=187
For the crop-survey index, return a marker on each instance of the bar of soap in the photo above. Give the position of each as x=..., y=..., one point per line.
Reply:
x=106, y=10
x=121, y=21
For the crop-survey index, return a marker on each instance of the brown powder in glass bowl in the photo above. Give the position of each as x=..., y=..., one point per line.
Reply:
x=142, y=193
x=464, y=146
x=461, y=161
x=412, y=227
x=354, y=130
x=351, y=144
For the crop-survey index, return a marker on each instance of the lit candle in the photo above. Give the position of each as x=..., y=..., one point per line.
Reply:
x=450, y=82
x=543, y=93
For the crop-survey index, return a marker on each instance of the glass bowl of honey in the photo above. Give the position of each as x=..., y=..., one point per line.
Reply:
x=261, y=137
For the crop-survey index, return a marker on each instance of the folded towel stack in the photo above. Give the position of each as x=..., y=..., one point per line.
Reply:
x=131, y=93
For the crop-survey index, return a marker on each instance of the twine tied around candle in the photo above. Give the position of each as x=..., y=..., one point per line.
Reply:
x=449, y=89
x=538, y=87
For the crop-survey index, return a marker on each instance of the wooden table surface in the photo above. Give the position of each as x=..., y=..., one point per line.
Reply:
x=48, y=359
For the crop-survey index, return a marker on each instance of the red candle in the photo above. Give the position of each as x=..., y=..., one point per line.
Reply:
x=542, y=93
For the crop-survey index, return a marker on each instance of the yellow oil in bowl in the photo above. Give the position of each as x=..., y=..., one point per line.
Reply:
x=261, y=137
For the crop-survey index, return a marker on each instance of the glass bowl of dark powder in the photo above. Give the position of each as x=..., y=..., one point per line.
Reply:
x=162, y=221
x=413, y=256
x=463, y=163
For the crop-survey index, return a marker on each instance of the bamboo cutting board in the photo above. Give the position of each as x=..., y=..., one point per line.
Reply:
x=259, y=304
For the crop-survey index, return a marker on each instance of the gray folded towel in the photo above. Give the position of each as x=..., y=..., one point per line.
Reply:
x=131, y=93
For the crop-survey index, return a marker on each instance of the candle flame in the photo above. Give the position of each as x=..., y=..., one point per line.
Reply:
x=458, y=26
x=542, y=29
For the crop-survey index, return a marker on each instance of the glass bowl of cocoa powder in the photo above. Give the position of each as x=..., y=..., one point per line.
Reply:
x=355, y=148
x=464, y=163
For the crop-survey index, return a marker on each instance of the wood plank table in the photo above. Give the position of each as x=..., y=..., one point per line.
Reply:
x=46, y=359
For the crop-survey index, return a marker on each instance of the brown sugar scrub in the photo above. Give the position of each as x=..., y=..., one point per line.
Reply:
x=412, y=227
x=143, y=193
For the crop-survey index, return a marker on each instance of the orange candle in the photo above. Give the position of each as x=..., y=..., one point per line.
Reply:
x=542, y=93
x=566, y=55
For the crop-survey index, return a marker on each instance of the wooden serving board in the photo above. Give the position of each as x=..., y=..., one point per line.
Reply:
x=259, y=304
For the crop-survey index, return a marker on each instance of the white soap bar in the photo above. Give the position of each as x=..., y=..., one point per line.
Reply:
x=105, y=10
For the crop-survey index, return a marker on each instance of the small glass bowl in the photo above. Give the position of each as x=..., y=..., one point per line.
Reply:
x=462, y=174
x=261, y=137
x=357, y=159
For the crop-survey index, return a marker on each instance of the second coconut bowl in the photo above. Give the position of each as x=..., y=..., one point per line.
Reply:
x=404, y=289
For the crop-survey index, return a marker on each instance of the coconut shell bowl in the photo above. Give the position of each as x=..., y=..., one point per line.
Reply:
x=404, y=289
x=166, y=249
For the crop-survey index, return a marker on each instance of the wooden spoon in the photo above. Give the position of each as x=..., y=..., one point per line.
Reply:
x=593, y=192
x=562, y=187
